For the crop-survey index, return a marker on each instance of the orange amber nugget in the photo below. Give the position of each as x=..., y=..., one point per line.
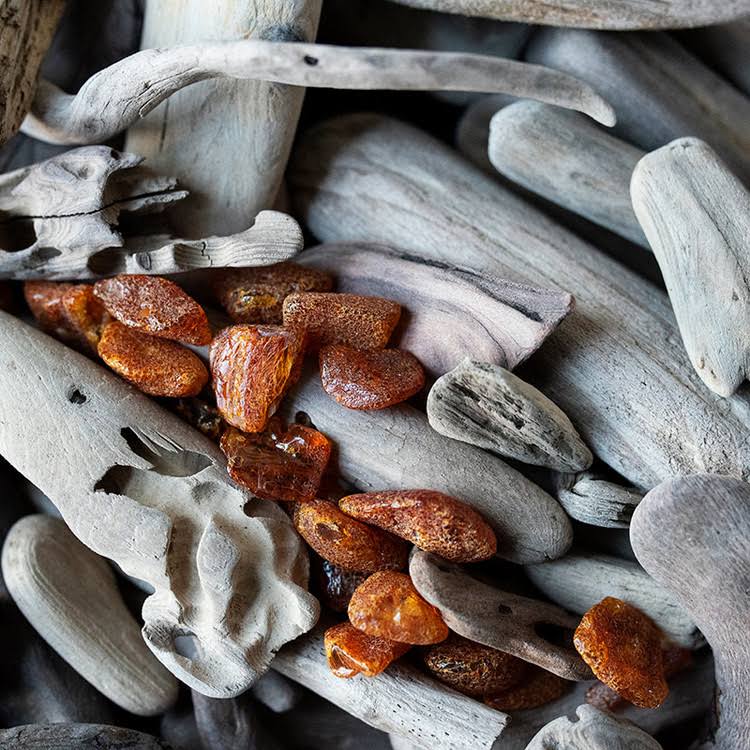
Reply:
x=431, y=520
x=84, y=316
x=277, y=464
x=623, y=648
x=369, y=379
x=328, y=318
x=155, y=306
x=155, y=366
x=347, y=543
x=351, y=652
x=335, y=585
x=536, y=689
x=252, y=368
x=388, y=606
x=44, y=299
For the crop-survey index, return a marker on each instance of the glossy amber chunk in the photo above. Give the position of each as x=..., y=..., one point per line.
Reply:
x=346, y=542
x=328, y=318
x=537, y=688
x=155, y=366
x=472, y=668
x=252, y=368
x=201, y=415
x=351, y=652
x=623, y=648
x=372, y=379
x=44, y=299
x=277, y=464
x=431, y=520
x=388, y=606
x=256, y=295
x=84, y=316
x=155, y=306
x=335, y=585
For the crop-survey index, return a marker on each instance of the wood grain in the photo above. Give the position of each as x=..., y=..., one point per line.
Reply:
x=594, y=500
x=79, y=736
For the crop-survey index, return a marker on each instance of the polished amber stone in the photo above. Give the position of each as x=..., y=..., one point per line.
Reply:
x=84, y=316
x=388, y=606
x=429, y=519
x=335, y=585
x=155, y=306
x=535, y=689
x=351, y=652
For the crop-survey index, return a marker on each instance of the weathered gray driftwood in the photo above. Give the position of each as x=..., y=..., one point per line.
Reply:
x=473, y=129
x=580, y=580
x=276, y=692
x=178, y=728
x=696, y=215
x=79, y=736
x=451, y=312
x=488, y=406
x=693, y=536
x=616, y=367
x=725, y=48
x=592, y=499
x=498, y=619
x=70, y=596
x=152, y=494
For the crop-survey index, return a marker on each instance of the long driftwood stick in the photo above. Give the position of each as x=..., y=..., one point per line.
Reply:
x=616, y=367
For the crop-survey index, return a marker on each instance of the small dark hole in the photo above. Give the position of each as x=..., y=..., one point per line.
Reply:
x=303, y=418
x=504, y=609
x=76, y=397
x=17, y=235
x=310, y=60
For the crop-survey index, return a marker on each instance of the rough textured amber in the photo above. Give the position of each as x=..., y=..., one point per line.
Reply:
x=623, y=648
x=84, y=316
x=388, y=606
x=156, y=366
x=155, y=306
x=277, y=464
x=202, y=416
x=256, y=295
x=431, y=520
x=472, y=668
x=351, y=652
x=252, y=368
x=537, y=688
x=44, y=299
x=327, y=318
x=335, y=585
x=372, y=379
x=346, y=542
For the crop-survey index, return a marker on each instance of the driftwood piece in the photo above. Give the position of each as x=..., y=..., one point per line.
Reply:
x=499, y=619
x=693, y=536
x=592, y=499
x=152, y=494
x=580, y=580
x=725, y=48
x=276, y=692
x=450, y=312
x=696, y=215
x=178, y=728
x=487, y=406
x=396, y=448
x=70, y=596
x=616, y=367
x=78, y=736
x=473, y=129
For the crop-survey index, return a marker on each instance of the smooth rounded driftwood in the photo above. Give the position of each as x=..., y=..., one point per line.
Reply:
x=592, y=499
x=138, y=485
x=693, y=536
x=70, y=596
x=79, y=736
x=616, y=367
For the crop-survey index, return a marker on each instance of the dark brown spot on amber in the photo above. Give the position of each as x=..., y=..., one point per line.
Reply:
x=351, y=652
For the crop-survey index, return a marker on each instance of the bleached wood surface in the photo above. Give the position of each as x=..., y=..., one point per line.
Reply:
x=594, y=500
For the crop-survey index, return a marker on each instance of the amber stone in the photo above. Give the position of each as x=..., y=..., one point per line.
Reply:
x=335, y=585
x=277, y=464
x=328, y=318
x=256, y=295
x=44, y=299
x=351, y=652
x=252, y=368
x=537, y=688
x=346, y=542
x=472, y=668
x=622, y=646
x=155, y=306
x=84, y=316
x=201, y=415
x=388, y=605
x=156, y=366
x=431, y=520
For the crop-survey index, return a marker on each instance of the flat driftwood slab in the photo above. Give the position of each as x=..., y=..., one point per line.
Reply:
x=696, y=215
x=141, y=487
x=592, y=499
x=79, y=736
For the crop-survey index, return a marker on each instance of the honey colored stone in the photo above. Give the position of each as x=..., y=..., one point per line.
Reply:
x=335, y=585
x=155, y=306
x=85, y=317
x=369, y=379
x=431, y=520
x=252, y=368
x=623, y=648
x=155, y=366
x=202, y=416
x=277, y=464
x=537, y=688
x=350, y=319
x=351, y=652
x=44, y=299
x=347, y=543
x=388, y=606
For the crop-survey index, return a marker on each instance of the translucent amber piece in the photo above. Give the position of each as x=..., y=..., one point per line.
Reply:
x=623, y=648
x=388, y=606
x=335, y=585
x=155, y=306
x=536, y=689
x=327, y=318
x=155, y=366
x=202, y=416
x=255, y=295
x=351, y=652
x=252, y=367
x=84, y=316
x=431, y=520
x=472, y=668
x=346, y=542
x=277, y=464
x=44, y=299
